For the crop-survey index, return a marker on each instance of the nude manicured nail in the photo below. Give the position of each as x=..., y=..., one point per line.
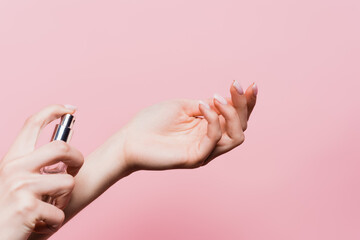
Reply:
x=71, y=107
x=220, y=99
x=204, y=104
x=255, y=89
x=238, y=87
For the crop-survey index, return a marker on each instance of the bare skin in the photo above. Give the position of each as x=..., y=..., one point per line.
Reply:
x=169, y=135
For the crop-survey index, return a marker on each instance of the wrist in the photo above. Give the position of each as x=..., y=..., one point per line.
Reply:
x=102, y=168
x=114, y=151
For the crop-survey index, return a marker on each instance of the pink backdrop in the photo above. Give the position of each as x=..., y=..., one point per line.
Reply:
x=297, y=174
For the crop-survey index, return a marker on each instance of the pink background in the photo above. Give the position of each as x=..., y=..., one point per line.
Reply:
x=297, y=174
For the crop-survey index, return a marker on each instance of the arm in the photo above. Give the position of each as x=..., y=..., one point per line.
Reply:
x=102, y=168
x=172, y=136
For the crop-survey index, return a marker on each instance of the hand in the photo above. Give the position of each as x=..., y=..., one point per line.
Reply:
x=171, y=135
x=22, y=186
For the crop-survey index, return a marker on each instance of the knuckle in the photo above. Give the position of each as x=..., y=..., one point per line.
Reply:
x=18, y=185
x=81, y=159
x=195, y=162
x=54, y=109
x=217, y=135
x=68, y=182
x=61, y=216
x=184, y=163
x=26, y=205
x=199, y=163
x=191, y=164
x=244, y=126
x=233, y=111
x=61, y=147
x=8, y=169
x=213, y=117
x=33, y=120
x=240, y=139
x=242, y=105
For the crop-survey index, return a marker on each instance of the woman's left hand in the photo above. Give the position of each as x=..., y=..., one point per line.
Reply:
x=186, y=134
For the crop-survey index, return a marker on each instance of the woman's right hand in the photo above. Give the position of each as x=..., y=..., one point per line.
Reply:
x=22, y=185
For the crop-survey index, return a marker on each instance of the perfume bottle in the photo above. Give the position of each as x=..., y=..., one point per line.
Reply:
x=62, y=132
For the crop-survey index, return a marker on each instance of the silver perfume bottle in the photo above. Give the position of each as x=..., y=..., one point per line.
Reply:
x=62, y=132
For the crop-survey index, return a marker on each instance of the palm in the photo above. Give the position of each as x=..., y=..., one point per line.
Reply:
x=165, y=136
x=170, y=135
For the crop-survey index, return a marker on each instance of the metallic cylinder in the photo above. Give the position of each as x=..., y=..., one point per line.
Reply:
x=63, y=131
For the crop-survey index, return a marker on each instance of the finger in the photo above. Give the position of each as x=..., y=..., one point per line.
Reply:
x=54, y=185
x=52, y=153
x=50, y=218
x=232, y=120
x=251, y=95
x=239, y=102
x=213, y=133
x=26, y=139
x=191, y=107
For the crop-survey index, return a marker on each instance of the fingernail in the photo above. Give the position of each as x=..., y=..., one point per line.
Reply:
x=71, y=107
x=220, y=99
x=237, y=86
x=204, y=104
x=255, y=89
x=55, y=226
